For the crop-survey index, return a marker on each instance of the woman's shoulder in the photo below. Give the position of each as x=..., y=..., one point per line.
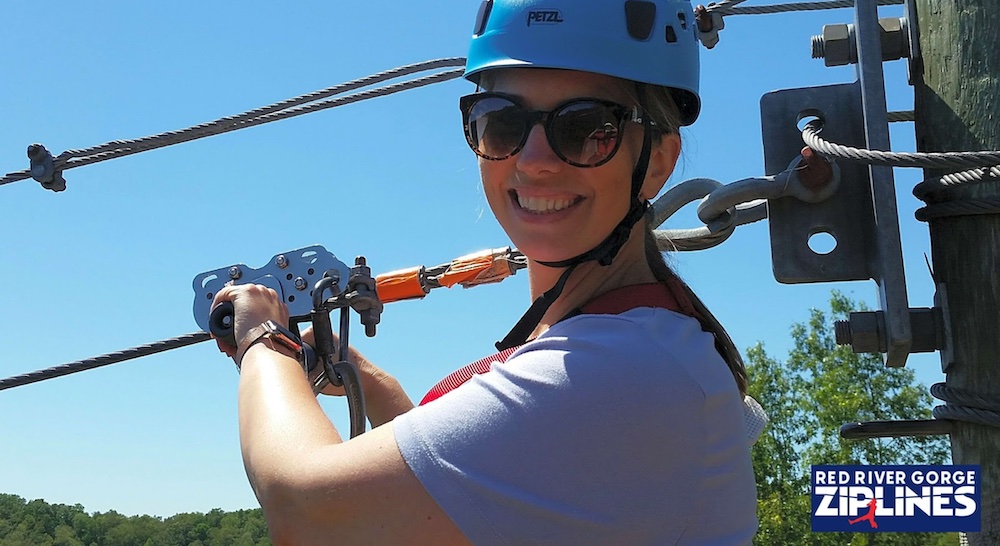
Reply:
x=643, y=349
x=659, y=332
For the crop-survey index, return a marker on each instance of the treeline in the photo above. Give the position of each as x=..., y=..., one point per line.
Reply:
x=38, y=523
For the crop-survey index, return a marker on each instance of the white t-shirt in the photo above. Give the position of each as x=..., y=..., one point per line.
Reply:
x=607, y=429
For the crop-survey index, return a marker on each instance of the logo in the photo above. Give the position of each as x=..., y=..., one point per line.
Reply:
x=544, y=16
x=914, y=498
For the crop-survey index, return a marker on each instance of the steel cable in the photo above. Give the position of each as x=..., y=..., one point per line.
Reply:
x=963, y=405
x=296, y=106
x=958, y=207
x=104, y=360
x=930, y=187
x=932, y=160
x=730, y=8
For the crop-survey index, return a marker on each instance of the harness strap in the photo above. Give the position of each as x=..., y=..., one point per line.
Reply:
x=670, y=296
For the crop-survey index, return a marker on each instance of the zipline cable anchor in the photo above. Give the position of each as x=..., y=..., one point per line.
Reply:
x=861, y=216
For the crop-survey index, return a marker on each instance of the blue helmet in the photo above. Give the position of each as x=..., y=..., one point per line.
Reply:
x=649, y=41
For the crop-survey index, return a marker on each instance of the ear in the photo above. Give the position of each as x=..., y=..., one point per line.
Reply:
x=662, y=159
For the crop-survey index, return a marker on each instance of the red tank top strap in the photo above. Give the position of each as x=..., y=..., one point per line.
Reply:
x=465, y=373
x=669, y=296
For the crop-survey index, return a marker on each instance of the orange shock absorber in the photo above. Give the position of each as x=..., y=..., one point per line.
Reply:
x=403, y=284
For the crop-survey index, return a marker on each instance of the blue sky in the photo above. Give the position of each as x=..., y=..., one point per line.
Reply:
x=108, y=263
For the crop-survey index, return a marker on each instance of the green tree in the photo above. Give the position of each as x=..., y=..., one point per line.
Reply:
x=37, y=523
x=818, y=388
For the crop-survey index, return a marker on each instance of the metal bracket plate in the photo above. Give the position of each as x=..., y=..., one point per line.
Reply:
x=847, y=215
x=862, y=215
x=291, y=274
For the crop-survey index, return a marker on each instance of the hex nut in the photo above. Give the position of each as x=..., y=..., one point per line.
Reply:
x=866, y=333
x=838, y=45
x=895, y=43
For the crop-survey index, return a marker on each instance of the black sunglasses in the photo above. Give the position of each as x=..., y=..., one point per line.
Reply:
x=582, y=132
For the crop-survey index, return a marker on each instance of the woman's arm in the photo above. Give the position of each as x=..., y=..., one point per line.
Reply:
x=315, y=488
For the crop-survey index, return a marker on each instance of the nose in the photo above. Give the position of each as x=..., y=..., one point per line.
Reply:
x=537, y=157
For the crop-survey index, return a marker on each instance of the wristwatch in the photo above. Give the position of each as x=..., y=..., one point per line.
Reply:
x=276, y=333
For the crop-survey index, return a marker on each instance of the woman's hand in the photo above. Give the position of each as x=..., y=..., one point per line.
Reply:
x=384, y=396
x=253, y=304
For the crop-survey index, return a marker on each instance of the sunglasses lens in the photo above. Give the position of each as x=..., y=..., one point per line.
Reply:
x=495, y=127
x=585, y=133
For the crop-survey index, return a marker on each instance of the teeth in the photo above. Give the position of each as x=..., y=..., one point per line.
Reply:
x=540, y=204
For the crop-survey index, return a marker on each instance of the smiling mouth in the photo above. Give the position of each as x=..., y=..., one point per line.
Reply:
x=543, y=205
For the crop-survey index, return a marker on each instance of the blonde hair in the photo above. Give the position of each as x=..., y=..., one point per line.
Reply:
x=658, y=103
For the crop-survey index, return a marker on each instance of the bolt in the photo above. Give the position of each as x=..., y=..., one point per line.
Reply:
x=41, y=164
x=864, y=331
x=838, y=46
x=895, y=42
x=816, y=172
x=281, y=261
x=300, y=283
x=709, y=24
x=36, y=151
x=235, y=272
x=703, y=18
x=927, y=329
x=818, y=47
x=842, y=332
x=361, y=267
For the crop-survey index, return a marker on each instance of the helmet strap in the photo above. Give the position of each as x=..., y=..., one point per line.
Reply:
x=604, y=252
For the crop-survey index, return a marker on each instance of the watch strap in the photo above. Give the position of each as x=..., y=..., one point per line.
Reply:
x=265, y=330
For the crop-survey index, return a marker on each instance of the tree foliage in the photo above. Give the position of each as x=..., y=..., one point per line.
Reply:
x=37, y=523
x=818, y=388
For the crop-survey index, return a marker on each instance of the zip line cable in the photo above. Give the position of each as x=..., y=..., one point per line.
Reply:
x=928, y=160
x=981, y=167
x=104, y=360
x=931, y=187
x=303, y=104
x=729, y=7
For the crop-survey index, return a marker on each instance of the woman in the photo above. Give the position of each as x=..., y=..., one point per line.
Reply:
x=619, y=422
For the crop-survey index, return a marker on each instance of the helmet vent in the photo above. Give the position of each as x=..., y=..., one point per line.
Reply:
x=671, y=35
x=639, y=16
x=683, y=19
x=482, y=17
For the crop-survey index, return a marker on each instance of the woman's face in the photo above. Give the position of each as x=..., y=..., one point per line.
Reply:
x=550, y=209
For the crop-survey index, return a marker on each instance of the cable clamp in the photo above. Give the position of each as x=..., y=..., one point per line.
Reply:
x=43, y=168
x=709, y=25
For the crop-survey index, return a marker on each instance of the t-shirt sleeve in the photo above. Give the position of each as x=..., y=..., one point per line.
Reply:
x=586, y=435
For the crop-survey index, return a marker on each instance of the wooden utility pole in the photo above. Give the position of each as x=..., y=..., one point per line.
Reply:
x=958, y=109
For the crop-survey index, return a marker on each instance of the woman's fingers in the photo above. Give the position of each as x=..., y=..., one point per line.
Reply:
x=253, y=304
